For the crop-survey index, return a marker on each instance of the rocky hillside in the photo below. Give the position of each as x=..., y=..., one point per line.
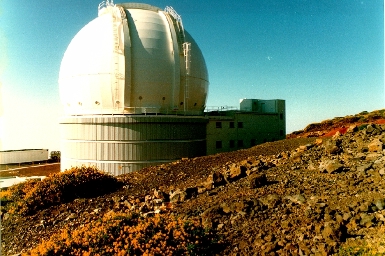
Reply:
x=300, y=196
x=329, y=127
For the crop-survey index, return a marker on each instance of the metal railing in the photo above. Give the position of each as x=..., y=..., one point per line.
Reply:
x=220, y=108
x=105, y=4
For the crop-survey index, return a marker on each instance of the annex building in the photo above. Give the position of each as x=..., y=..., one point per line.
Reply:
x=255, y=122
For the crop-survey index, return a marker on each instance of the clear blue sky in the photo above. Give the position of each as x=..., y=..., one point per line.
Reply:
x=324, y=57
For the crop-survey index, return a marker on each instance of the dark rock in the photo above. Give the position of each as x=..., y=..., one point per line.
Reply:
x=216, y=179
x=257, y=180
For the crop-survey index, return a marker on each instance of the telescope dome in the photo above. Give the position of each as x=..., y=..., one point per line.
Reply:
x=133, y=59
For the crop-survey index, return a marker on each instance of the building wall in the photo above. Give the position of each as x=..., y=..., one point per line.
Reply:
x=122, y=144
x=23, y=156
x=233, y=130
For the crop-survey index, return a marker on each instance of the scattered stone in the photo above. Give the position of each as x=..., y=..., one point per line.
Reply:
x=271, y=201
x=160, y=194
x=380, y=204
x=330, y=166
x=375, y=146
x=71, y=216
x=298, y=199
x=333, y=231
x=363, y=168
x=237, y=172
x=177, y=196
x=367, y=220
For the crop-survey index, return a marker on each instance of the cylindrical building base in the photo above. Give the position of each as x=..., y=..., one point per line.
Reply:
x=121, y=144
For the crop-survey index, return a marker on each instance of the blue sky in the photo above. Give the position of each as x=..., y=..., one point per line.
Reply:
x=324, y=57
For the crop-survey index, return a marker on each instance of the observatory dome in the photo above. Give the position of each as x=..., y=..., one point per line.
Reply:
x=133, y=83
x=133, y=59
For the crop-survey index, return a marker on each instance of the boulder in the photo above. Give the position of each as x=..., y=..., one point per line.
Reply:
x=177, y=196
x=330, y=166
x=333, y=231
x=375, y=146
x=159, y=194
x=256, y=180
x=237, y=171
x=332, y=147
x=380, y=204
x=215, y=179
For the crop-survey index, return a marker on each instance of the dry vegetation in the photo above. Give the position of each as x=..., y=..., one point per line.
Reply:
x=114, y=233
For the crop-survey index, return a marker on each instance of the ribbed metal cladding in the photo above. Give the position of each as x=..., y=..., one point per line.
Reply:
x=124, y=143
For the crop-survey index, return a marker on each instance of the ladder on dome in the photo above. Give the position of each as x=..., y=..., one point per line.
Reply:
x=184, y=47
x=187, y=60
x=116, y=18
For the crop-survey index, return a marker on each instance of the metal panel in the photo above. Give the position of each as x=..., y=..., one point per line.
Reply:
x=154, y=140
x=23, y=156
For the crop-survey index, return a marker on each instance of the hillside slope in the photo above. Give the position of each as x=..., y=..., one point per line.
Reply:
x=301, y=196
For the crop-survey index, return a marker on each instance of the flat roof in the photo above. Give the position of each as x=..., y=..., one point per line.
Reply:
x=13, y=150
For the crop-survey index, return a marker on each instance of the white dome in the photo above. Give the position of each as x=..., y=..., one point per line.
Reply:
x=130, y=60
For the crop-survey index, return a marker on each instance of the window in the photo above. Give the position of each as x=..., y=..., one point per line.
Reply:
x=218, y=124
x=240, y=143
x=232, y=125
x=240, y=124
x=218, y=144
x=232, y=143
x=281, y=132
x=281, y=116
x=253, y=142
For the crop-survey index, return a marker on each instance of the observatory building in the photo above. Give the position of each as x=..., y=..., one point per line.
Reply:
x=133, y=83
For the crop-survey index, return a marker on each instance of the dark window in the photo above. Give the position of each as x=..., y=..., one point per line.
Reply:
x=253, y=142
x=218, y=144
x=281, y=132
x=240, y=124
x=240, y=143
x=218, y=124
x=232, y=143
x=232, y=125
x=281, y=116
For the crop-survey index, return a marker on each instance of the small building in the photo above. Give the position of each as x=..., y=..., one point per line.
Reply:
x=256, y=121
x=23, y=156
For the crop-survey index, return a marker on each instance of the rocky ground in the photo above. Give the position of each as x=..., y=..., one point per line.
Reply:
x=300, y=196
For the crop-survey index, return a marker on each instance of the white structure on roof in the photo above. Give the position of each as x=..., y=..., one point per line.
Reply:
x=133, y=84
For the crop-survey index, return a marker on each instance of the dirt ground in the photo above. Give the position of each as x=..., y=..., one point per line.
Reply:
x=31, y=170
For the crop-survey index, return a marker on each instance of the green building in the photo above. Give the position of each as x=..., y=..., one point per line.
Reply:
x=255, y=122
